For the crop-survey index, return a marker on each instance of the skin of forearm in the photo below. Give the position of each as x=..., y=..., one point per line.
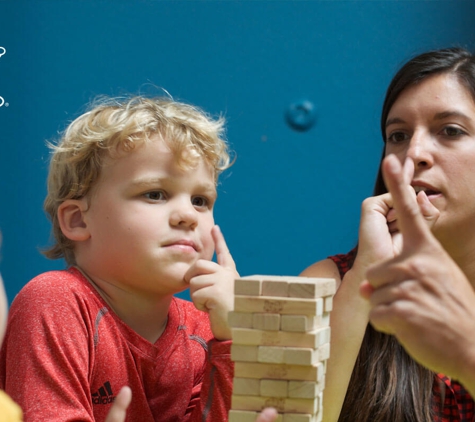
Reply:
x=348, y=321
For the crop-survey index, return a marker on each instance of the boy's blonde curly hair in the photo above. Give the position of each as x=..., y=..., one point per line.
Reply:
x=115, y=126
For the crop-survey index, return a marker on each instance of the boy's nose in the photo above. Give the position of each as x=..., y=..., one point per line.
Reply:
x=184, y=214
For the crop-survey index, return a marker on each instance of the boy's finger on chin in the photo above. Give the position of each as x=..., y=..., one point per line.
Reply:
x=223, y=254
x=196, y=269
x=200, y=300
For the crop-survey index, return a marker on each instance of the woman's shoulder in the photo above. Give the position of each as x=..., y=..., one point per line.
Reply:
x=326, y=268
x=334, y=266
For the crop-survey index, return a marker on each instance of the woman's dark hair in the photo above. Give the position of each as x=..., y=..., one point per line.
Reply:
x=386, y=383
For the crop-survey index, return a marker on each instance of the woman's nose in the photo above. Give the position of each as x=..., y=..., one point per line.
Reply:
x=420, y=150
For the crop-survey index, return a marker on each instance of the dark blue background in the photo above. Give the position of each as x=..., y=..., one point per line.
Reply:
x=292, y=197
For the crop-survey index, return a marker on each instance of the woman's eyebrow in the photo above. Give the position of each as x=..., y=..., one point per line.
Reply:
x=451, y=113
x=438, y=116
x=394, y=120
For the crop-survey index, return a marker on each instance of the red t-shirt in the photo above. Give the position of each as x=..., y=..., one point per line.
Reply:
x=451, y=402
x=66, y=355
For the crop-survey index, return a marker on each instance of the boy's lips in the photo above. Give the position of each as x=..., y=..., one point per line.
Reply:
x=182, y=244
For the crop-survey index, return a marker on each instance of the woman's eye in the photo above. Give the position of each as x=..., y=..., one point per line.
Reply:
x=453, y=131
x=397, y=137
x=200, y=201
x=155, y=195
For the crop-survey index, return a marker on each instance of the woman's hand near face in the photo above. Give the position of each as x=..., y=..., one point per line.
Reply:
x=379, y=239
x=421, y=296
x=379, y=236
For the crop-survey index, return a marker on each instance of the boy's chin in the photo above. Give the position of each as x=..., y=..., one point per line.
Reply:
x=177, y=276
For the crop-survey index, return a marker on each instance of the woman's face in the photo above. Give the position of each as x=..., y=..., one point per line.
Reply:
x=433, y=123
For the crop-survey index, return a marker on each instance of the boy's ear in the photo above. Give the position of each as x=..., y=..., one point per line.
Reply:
x=71, y=219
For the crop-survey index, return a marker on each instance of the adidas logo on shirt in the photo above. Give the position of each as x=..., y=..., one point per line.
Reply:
x=104, y=395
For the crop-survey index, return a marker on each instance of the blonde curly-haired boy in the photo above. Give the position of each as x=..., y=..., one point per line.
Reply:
x=131, y=191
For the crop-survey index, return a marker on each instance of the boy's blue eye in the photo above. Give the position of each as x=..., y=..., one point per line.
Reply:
x=155, y=195
x=199, y=201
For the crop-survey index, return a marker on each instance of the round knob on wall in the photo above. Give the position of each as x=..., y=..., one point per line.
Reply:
x=301, y=115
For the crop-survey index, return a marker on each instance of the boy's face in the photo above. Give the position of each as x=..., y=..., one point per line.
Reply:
x=149, y=221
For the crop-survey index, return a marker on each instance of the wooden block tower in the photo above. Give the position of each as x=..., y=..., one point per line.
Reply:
x=281, y=335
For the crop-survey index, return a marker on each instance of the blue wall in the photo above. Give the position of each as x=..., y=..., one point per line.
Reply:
x=292, y=197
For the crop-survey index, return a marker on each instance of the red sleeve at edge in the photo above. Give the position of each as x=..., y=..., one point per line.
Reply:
x=216, y=390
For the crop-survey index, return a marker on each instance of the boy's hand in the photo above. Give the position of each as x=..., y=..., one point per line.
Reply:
x=212, y=286
x=118, y=410
x=269, y=414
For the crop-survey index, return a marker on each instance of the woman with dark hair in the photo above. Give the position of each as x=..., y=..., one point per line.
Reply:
x=428, y=123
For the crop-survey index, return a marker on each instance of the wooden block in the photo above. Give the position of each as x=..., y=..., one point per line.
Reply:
x=278, y=288
x=305, y=389
x=282, y=405
x=319, y=417
x=242, y=416
x=266, y=322
x=325, y=319
x=300, y=356
x=323, y=352
x=275, y=278
x=247, y=286
x=295, y=323
x=328, y=304
x=303, y=286
x=242, y=353
x=273, y=388
x=240, y=319
x=312, y=339
x=246, y=387
x=247, y=416
x=270, y=354
x=320, y=407
x=298, y=417
x=310, y=287
x=300, y=323
x=285, y=306
x=279, y=371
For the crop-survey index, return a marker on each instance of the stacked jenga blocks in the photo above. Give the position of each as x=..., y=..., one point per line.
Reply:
x=281, y=341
